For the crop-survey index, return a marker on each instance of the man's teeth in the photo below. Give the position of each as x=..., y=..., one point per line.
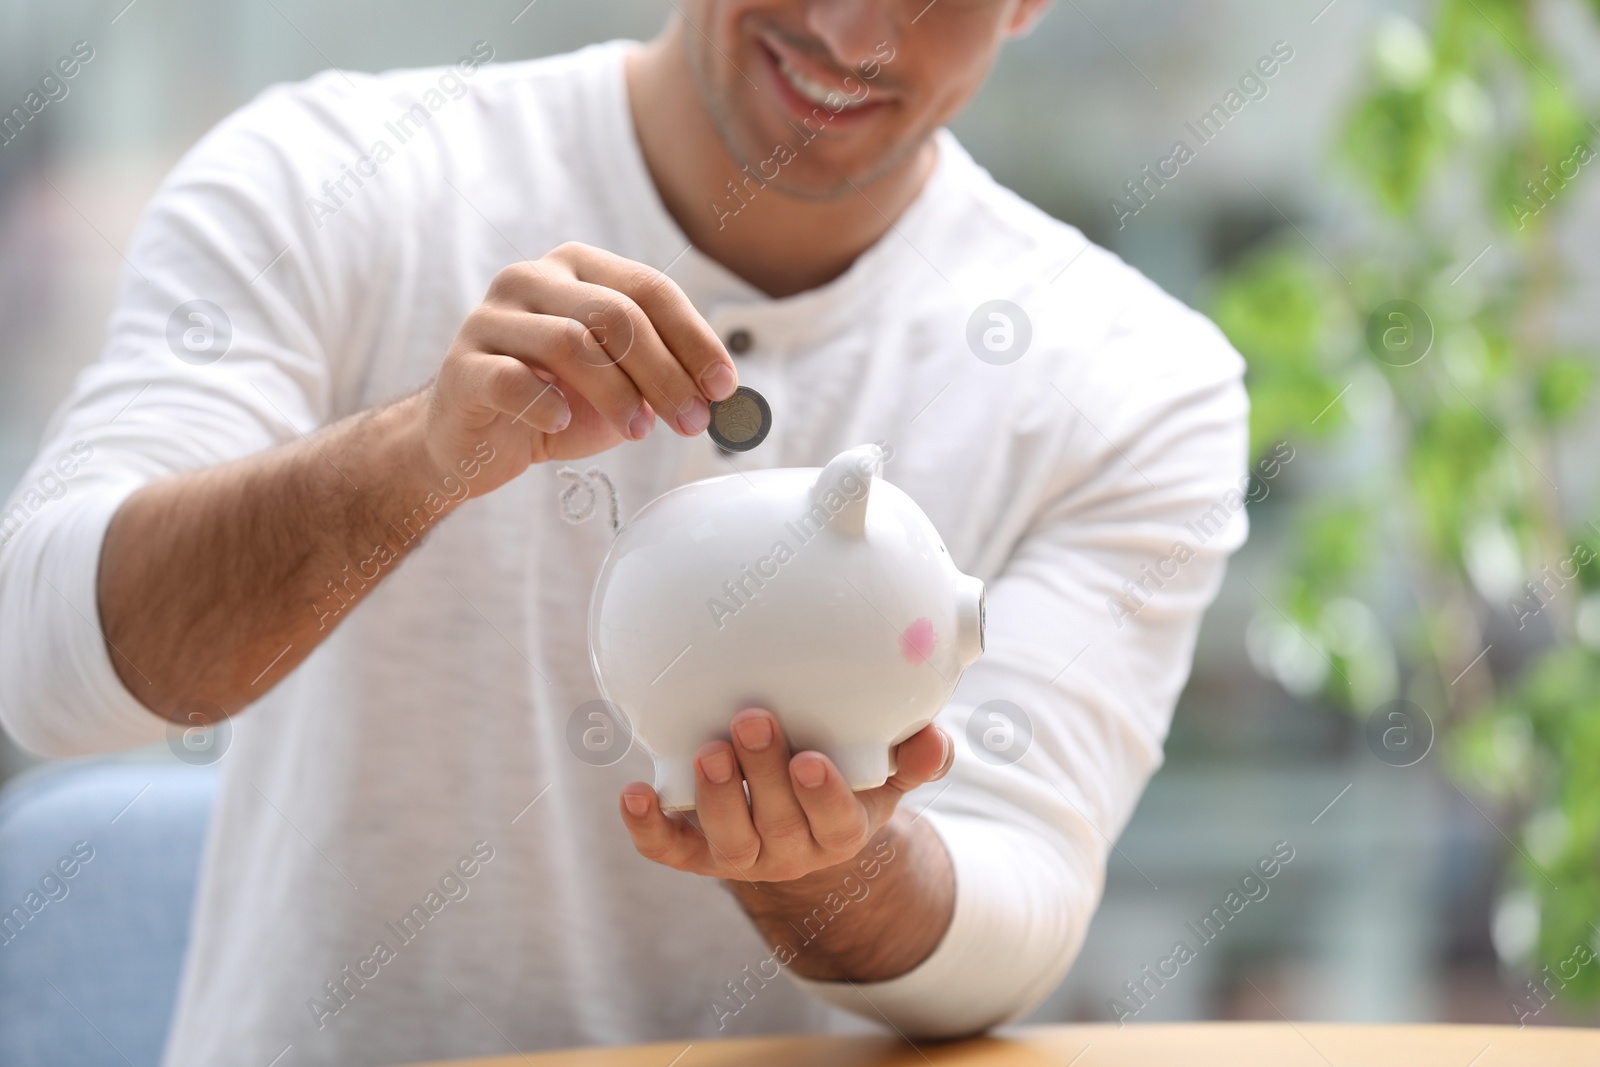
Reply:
x=816, y=92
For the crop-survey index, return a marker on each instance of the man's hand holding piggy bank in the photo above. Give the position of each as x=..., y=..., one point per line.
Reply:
x=800, y=816
x=802, y=846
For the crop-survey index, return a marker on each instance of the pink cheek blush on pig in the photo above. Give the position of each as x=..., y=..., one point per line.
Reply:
x=917, y=642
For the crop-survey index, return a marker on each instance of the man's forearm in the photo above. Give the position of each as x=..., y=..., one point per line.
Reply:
x=874, y=918
x=215, y=583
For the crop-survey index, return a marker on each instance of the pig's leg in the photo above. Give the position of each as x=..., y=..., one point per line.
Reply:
x=865, y=764
x=675, y=781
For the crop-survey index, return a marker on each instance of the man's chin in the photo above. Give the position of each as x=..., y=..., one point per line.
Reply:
x=812, y=175
x=821, y=188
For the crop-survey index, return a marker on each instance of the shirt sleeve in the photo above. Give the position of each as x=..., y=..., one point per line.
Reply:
x=218, y=348
x=1091, y=631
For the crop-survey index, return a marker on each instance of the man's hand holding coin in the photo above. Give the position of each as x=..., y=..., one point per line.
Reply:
x=569, y=355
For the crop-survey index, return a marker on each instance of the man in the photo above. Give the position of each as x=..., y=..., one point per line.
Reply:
x=364, y=322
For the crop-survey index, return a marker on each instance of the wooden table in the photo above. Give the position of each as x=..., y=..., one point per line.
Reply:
x=1150, y=1045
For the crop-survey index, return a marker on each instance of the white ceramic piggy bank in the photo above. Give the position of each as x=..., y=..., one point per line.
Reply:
x=823, y=595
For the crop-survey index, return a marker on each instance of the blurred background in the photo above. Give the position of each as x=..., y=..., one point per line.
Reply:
x=1442, y=809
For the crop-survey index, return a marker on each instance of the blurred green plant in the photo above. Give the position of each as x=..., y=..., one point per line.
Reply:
x=1424, y=348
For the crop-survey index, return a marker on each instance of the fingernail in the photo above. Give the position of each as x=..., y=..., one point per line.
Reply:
x=719, y=381
x=643, y=421
x=694, y=416
x=755, y=733
x=637, y=805
x=718, y=766
x=562, y=419
x=810, y=772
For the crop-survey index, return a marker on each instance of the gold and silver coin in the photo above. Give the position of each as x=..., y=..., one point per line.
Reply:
x=741, y=422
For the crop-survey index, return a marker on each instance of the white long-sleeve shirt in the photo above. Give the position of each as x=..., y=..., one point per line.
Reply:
x=346, y=226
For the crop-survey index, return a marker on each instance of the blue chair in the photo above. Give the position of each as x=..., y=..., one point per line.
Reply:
x=98, y=862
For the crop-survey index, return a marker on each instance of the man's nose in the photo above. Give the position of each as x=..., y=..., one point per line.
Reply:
x=853, y=29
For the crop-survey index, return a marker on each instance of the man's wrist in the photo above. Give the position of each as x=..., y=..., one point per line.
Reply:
x=401, y=467
x=870, y=919
x=404, y=425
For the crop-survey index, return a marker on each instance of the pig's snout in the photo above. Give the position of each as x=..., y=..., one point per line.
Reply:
x=969, y=619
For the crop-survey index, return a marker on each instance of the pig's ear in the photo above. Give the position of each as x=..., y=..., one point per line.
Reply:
x=845, y=486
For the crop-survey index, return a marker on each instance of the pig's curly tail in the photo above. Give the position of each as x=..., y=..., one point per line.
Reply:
x=579, y=497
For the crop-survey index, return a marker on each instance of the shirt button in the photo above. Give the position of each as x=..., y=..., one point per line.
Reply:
x=739, y=342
